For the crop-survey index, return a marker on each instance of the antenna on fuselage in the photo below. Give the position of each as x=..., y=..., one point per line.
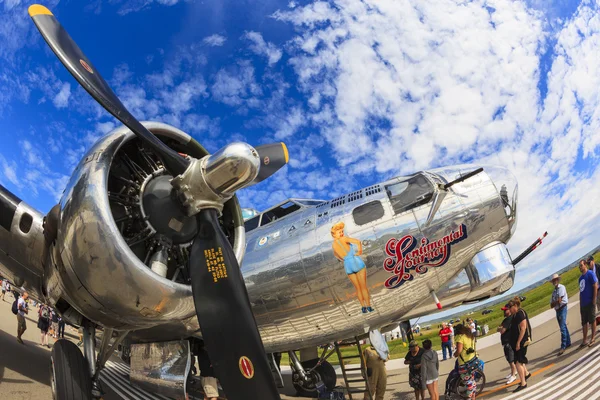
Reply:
x=442, y=191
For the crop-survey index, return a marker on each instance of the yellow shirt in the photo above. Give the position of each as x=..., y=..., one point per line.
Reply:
x=467, y=343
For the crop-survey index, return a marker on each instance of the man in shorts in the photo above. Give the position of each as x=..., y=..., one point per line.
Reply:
x=207, y=374
x=509, y=354
x=588, y=291
x=21, y=311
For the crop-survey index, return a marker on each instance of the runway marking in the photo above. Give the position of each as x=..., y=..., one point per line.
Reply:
x=571, y=378
x=536, y=372
x=116, y=376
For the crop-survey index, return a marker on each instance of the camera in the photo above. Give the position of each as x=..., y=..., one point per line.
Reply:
x=470, y=350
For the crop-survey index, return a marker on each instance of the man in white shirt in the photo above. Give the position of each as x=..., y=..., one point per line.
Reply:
x=4, y=288
x=559, y=302
x=21, y=311
x=472, y=326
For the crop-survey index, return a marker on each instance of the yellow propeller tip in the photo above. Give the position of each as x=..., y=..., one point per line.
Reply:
x=37, y=9
x=285, y=152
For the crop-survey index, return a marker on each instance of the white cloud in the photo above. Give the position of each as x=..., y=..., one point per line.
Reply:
x=138, y=5
x=215, y=40
x=260, y=47
x=399, y=86
x=61, y=100
x=9, y=170
x=236, y=85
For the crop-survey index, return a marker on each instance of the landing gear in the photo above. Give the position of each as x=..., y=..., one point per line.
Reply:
x=94, y=365
x=312, y=376
x=69, y=373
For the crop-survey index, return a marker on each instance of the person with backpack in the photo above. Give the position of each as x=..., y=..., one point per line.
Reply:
x=520, y=338
x=467, y=358
x=44, y=324
x=20, y=308
x=54, y=319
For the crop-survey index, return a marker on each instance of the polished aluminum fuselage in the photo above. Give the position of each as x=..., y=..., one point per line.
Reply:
x=300, y=292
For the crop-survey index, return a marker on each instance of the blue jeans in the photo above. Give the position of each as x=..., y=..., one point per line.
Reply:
x=447, y=345
x=565, y=338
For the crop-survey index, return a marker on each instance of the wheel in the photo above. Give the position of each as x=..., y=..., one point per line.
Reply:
x=480, y=380
x=324, y=372
x=69, y=372
x=461, y=390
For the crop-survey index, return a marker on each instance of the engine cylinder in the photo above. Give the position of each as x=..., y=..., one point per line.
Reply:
x=107, y=244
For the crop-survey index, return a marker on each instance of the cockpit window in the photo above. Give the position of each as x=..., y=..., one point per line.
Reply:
x=251, y=223
x=278, y=212
x=410, y=193
x=310, y=202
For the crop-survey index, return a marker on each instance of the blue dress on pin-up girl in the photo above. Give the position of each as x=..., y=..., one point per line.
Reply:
x=352, y=262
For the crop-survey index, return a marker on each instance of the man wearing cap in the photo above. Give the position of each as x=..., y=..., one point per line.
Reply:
x=588, y=292
x=559, y=302
x=509, y=353
x=445, y=333
x=596, y=271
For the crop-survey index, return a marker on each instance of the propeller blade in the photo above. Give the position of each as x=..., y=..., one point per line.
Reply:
x=225, y=316
x=84, y=72
x=272, y=158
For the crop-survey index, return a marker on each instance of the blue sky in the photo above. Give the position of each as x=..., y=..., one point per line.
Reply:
x=371, y=88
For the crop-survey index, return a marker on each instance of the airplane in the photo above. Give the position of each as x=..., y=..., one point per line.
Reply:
x=147, y=241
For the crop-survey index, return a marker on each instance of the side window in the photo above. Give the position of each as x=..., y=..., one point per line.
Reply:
x=369, y=212
x=411, y=193
x=252, y=223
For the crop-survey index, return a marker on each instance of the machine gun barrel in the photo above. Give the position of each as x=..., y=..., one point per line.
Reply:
x=531, y=248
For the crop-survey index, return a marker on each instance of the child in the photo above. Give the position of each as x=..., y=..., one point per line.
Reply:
x=430, y=367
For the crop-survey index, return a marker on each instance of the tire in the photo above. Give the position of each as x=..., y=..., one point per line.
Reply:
x=69, y=372
x=460, y=389
x=325, y=371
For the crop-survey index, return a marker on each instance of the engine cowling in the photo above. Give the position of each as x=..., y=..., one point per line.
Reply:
x=122, y=247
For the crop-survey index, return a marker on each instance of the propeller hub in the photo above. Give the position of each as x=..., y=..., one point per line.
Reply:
x=212, y=180
x=165, y=213
x=231, y=168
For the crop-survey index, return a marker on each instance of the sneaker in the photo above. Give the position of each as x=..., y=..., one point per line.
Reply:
x=511, y=379
x=508, y=376
x=561, y=352
x=519, y=388
x=20, y=340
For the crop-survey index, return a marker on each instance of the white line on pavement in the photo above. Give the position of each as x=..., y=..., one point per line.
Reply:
x=551, y=383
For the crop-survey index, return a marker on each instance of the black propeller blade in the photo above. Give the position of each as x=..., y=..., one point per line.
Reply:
x=273, y=157
x=220, y=295
x=84, y=72
x=226, y=320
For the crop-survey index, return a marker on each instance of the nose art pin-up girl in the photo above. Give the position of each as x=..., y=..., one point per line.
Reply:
x=348, y=250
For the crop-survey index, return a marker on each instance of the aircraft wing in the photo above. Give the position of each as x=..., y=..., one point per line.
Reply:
x=22, y=243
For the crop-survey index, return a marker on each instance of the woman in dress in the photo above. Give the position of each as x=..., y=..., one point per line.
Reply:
x=44, y=324
x=348, y=250
x=413, y=360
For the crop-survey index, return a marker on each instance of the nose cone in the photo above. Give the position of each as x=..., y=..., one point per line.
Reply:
x=508, y=188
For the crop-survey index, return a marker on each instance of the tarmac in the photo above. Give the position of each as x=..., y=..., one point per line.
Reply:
x=24, y=369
